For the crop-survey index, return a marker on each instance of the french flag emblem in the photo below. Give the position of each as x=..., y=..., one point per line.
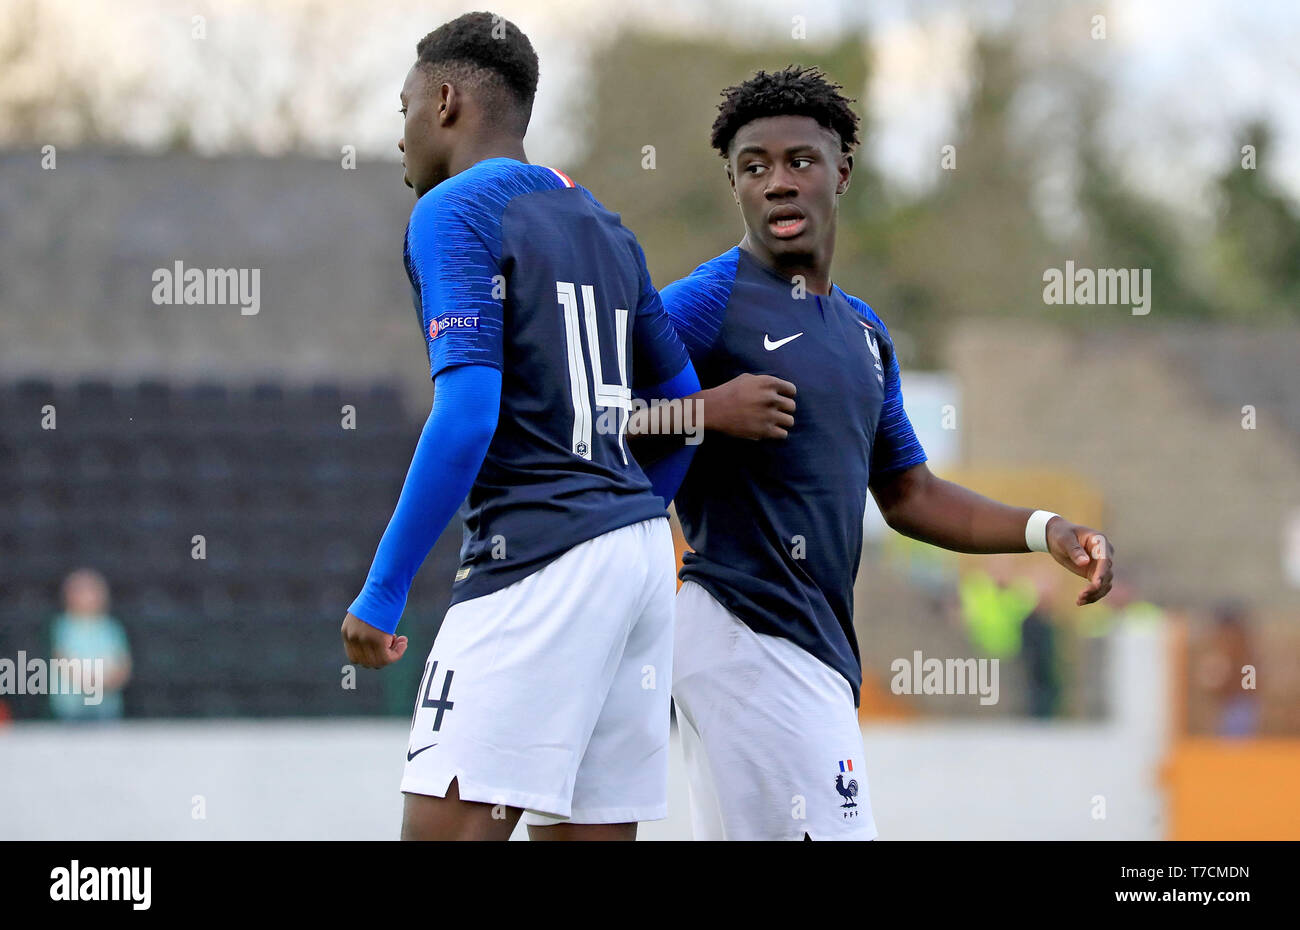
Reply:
x=846, y=765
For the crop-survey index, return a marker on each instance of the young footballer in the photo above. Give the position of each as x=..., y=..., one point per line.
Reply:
x=766, y=671
x=547, y=687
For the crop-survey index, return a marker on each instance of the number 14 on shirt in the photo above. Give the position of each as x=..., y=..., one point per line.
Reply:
x=606, y=395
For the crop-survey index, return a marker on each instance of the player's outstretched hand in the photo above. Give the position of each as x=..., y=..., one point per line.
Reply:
x=750, y=407
x=369, y=647
x=1085, y=552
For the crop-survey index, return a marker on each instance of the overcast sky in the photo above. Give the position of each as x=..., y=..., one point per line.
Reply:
x=1182, y=76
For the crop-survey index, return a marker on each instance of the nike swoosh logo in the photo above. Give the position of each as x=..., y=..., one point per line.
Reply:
x=411, y=755
x=770, y=345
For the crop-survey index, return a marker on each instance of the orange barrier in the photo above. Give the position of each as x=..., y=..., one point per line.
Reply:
x=1222, y=789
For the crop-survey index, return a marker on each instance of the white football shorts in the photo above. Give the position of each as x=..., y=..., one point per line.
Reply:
x=770, y=733
x=552, y=694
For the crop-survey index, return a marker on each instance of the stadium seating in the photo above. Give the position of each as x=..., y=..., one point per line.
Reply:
x=290, y=505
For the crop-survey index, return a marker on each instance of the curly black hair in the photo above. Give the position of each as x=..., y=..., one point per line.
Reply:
x=483, y=48
x=793, y=91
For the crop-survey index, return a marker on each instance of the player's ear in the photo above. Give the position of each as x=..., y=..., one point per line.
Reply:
x=846, y=173
x=731, y=179
x=448, y=103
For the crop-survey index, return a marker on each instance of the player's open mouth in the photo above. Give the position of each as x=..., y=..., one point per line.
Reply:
x=786, y=222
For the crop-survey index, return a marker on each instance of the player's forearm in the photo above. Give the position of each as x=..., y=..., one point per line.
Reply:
x=746, y=407
x=922, y=506
x=669, y=417
x=665, y=425
x=447, y=459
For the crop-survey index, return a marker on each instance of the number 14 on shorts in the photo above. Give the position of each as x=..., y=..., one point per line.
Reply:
x=440, y=704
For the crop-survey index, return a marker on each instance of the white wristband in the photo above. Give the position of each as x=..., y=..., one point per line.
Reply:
x=1036, y=530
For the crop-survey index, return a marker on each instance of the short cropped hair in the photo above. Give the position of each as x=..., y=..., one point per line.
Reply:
x=485, y=51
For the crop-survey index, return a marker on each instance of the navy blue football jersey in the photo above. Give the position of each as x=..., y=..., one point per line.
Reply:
x=776, y=525
x=514, y=266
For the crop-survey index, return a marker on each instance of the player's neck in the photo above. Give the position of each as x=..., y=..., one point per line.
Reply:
x=814, y=268
x=491, y=147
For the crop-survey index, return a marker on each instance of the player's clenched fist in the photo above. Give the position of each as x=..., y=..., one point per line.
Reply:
x=369, y=647
x=750, y=407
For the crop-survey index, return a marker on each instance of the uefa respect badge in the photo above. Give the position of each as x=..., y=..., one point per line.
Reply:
x=452, y=322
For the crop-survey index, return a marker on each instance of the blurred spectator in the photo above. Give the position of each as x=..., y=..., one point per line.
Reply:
x=1039, y=649
x=994, y=604
x=1007, y=617
x=1038, y=656
x=86, y=631
x=1220, y=672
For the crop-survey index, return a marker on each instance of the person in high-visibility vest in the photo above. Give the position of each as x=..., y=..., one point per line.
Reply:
x=994, y=612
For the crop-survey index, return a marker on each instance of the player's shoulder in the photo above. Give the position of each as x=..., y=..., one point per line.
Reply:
x=612, y=219
x=719, y=269
x=865, y=311
x=479, y=194
x=708, y=286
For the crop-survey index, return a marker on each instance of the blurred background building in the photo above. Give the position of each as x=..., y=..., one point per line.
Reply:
x=228, y=475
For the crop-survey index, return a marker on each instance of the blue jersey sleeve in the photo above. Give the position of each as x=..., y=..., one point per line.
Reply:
x=667, y=474
x=447, y=459
x=452, y=258
x=895, y=446
x=697, y=303
x=657, y=353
